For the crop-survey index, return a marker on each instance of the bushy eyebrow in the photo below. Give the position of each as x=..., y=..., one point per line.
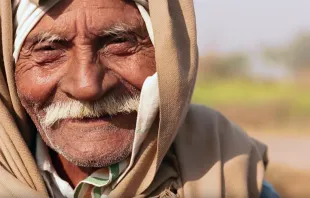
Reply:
x=117, y=29
x=47, y=36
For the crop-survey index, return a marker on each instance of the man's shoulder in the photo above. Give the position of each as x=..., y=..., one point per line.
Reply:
x=203, y=119
x=209, y=145
x=204, y=125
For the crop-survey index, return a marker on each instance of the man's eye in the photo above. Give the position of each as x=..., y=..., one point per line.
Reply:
x=46, y=48
x=47, y=52
x=120, y=45
x=120, y=40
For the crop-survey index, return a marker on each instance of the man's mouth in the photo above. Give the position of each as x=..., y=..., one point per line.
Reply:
x=107, y=109
x=104, y=117
x=96, y=121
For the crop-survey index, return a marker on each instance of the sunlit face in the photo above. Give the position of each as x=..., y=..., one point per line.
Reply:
x=79, y=76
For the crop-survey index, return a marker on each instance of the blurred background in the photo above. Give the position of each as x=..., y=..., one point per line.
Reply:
x=255, y=69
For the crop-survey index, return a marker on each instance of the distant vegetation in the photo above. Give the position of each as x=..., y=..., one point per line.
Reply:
x=214, y=66
x=225, y=84
x=295, y=55
x=245, y=92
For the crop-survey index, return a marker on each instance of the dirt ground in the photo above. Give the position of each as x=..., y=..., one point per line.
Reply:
x=289, y=167
x=288, y=149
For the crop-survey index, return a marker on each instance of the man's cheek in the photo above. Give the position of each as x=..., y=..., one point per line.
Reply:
x=134, y=69
x=34, y=88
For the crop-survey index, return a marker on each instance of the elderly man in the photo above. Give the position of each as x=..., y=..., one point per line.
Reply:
x=107, y=86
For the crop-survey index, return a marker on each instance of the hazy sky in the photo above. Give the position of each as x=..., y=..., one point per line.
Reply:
x=229, y=25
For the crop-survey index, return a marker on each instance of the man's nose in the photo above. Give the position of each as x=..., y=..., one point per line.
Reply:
x=84, y=79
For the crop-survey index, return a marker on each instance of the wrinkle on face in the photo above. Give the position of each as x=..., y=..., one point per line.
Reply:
x=84, y=51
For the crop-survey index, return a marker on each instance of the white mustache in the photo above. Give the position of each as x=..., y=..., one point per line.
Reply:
x=74, y=109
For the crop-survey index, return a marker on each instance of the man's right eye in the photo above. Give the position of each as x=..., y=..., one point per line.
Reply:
x=46, y=47
x=47, y=52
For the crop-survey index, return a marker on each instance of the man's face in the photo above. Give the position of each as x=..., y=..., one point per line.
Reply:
x=79, y=76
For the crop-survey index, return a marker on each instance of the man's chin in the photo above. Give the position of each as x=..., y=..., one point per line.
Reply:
x=95, y=161
x=95, y=143
x=105, y=150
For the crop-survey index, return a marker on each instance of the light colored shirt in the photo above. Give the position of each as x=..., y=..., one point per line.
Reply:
x=56, y=186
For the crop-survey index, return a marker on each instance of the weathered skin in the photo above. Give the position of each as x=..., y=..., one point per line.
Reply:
x=85, y=66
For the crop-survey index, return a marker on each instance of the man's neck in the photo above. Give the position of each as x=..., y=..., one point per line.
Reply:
x=68, y=171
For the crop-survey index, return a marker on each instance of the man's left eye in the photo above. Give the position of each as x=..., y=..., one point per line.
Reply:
x=120, y=40
x=120, y=45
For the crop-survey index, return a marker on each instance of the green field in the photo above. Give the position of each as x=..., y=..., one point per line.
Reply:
x=295, y=98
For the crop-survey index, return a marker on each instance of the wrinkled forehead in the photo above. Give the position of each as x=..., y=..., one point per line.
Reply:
x=93, y=18
x=28, y=14
x=69, y=5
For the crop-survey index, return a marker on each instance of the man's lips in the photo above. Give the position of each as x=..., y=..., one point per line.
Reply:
x=92, y=119
x=103, y=123
x=102, y=120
